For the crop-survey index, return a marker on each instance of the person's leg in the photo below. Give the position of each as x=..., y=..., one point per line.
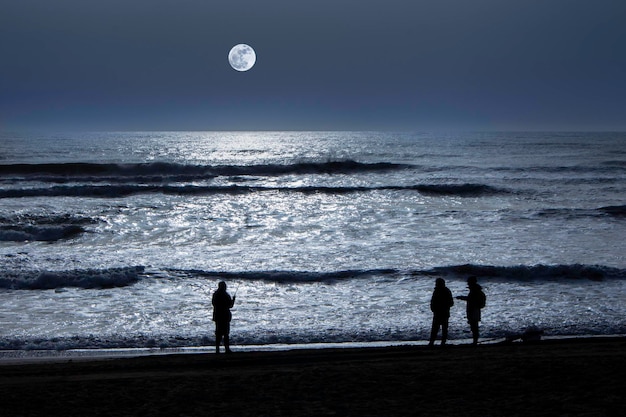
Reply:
x=217, y=342
x=218, y=336
x=444, y=331
x=434, y=330
x=474, y=327
x=227, y=337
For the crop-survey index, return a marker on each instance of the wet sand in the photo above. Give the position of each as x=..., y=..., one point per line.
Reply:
x=572, y=377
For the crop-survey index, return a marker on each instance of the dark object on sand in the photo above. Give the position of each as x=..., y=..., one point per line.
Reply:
x=528, y=336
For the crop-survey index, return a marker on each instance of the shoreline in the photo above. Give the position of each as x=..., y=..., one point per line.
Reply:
x=19, y=357
x=573, y=377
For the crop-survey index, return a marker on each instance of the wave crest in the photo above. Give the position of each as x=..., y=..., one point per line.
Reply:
x=37, y=233
x=166, y=171
x=534, y=272
x=461, y=272
x=85, y=278
x=617, y=211
x=288, y=276
x=24, y=228
x=112, y=191
x=124, y=276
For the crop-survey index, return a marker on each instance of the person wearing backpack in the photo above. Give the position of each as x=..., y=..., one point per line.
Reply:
x=476, y=301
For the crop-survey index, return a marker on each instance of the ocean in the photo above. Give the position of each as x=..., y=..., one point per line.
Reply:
x=117, y=240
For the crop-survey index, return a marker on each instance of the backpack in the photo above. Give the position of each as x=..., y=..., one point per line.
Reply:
x=482, y=299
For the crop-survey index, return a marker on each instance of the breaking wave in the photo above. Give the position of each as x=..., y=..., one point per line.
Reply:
x=37, y=233
x=617, y=211
x=121, y=277
x=79, y=278
x=156, y=172
x=112, y=191
x=287, y=276
x=606, y=168
x=534, y=272
x=24, y=228
x=510, y=273
x=614, y=211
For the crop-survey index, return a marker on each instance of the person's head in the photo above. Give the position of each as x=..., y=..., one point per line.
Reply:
x=472, y=281
x=440, y=282
x=221, y=286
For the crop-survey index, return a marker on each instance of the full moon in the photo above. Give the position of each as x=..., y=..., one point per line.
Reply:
x=242, y=57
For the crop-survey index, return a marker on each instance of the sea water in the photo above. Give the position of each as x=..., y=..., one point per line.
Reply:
x=117, y=239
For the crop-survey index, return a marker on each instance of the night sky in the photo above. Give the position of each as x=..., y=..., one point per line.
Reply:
x=321, y=65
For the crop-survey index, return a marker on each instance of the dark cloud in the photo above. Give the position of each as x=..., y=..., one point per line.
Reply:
x=157, y=64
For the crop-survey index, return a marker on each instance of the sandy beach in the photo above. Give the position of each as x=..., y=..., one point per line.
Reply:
x=572, y=377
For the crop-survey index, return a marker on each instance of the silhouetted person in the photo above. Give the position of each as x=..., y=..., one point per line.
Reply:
x=222, y=303
x=440, y=304
x=475, y=302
